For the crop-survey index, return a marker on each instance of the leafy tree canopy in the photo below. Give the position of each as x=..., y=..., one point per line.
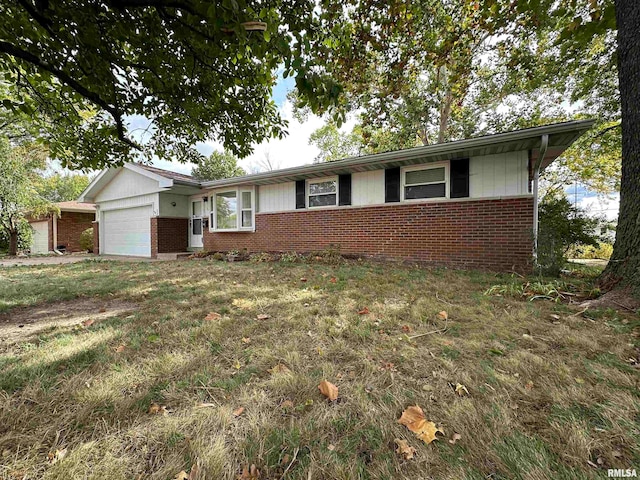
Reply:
x=216, y=166
x=334, y=144
x=195, y=69
x=62, y=187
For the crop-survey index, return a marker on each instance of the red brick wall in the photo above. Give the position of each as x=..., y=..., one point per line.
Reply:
x=486, y=234
x=169, y=234
x=70, y=226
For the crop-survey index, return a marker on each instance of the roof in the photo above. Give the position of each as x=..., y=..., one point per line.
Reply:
x=561, y=136
x=76, y=207
x=169, y=174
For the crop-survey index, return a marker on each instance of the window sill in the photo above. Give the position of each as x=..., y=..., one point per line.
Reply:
x=234, y=230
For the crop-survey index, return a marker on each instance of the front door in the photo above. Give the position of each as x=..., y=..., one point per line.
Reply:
x=195, y=224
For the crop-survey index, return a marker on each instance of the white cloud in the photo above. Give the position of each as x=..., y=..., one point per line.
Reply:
x=607, y=207
x=291, y=151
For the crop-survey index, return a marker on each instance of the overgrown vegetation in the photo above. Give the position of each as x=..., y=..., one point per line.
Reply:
x=551, y=393
x=86, y=240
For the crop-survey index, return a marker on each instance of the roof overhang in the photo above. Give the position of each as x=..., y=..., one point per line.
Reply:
x=78, y=209
x=561, y=136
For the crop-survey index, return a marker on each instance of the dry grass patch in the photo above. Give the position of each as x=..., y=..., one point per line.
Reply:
x=547, y=394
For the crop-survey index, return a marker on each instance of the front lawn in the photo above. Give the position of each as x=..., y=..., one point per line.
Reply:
x=552, y=392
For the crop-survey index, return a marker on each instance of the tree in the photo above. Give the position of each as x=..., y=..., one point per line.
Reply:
x=334, y=144
x=624, y=265
x=62, y=187
x=265, y=164
x=18, y=195
x=216, y=166
x=194, y=69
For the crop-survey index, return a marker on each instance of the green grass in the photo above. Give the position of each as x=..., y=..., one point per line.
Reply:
x=546, y=396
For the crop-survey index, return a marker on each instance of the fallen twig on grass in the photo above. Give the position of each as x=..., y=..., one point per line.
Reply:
x=441, y=330
x=295, y=454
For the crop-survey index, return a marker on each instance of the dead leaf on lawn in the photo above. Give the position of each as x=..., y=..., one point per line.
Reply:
x=55, y=457
x=119, y=349
x=238, y=411
x=333, y=279
x=287, y=404
x=155, y=409
x=303, y=279
x=246, y=340
x=263, y=316
x=329, y=390
x=213, y=316
x=461, y=390
x=404, y=449
x=443, y=315
x=454, y=438
x=364, y=311
x=88, y=323
x=102, y=310
x=413, y=418
x=406, y=329
x=279, y=368
x=182, y=476
x=249, y=473
x=528, y=385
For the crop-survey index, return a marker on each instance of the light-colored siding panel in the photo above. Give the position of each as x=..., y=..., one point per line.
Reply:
x=149, y=199
x=181, y=208
x=278, y=197
x=367, y=188
x=127, y=184
x=502, y=174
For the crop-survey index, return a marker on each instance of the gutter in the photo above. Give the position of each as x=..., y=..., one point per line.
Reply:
x=544, y=144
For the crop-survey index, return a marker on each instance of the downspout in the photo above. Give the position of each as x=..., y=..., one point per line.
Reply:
x=55, y=234
x=544, y=144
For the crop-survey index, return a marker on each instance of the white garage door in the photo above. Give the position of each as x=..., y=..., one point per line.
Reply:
x=40, y=242
x=127, y=232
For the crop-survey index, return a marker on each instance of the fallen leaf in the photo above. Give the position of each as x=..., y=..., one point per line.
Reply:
x=454, y=438
x=406, y=329
x=528, y=385
x=329, y=390
x=102, y=310
x=364, y=311
x=333, y=279
x=303, y=279
x=331, y=447
x=279, y=368
x=413, y=418
x=554, y=316
x=156, y=409
x=238, y=411
x=579, y=381
x=443, y=315
x=246, y=340
x=263, y=316
x=287, y=404
x=249, y=473
x=237, y=365
x=404, y=449
x=119, y=349
x=213, y=316
x=461, y=390
x=182, y=476
x=88, y=323
x=56, y=456
x=207, y=405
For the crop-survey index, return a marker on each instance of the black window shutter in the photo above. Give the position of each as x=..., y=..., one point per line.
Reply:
x=459, y=178
x=300, y=194
x=344, y=189
x=392, y=185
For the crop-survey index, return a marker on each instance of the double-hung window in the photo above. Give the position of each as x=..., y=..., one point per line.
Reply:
x=323, y=192
x=232, y=210
x=425, y=182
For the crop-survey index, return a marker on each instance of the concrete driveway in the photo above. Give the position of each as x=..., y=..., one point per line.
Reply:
x=61, y=259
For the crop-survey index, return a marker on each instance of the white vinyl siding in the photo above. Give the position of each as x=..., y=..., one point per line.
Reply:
x=499, y=175
x=367, y=188
x=126, y=232
x=40, y=241
x=127, y=184
x=277, y=197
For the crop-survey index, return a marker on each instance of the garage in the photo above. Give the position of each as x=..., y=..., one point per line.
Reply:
x=40, y=241
x=127, y=232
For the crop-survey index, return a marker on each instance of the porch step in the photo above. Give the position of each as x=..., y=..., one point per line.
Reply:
x=174, y=256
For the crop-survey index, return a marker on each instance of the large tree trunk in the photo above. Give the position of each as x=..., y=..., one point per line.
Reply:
x=624, y=265
x=13, y=243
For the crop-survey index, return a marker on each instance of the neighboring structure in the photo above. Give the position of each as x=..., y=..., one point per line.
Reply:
x=62, y=233
x=469, y=204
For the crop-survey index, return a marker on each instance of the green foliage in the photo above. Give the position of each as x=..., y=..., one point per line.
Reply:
x=601, y=251
x=561, y=226
x=553, y=290
x=196, y=70
x=217, y=166
x=25, y=236
x=86, y=240
x=18, y=196
x=334, y=144
x=62, y=187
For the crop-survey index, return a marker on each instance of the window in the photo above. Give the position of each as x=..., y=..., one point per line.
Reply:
x=226, y=211
x=430, y=182
x=232, y=210
x=323, y=193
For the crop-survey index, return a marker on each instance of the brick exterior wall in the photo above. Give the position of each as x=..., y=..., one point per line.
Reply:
x=70, y=226
x=169, y=234
x=484, y=234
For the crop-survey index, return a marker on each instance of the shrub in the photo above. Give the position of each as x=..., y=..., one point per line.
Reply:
x=291, y=257
x=602, y=251
x=219, y=256
x=263, y=257
x=86, y=240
